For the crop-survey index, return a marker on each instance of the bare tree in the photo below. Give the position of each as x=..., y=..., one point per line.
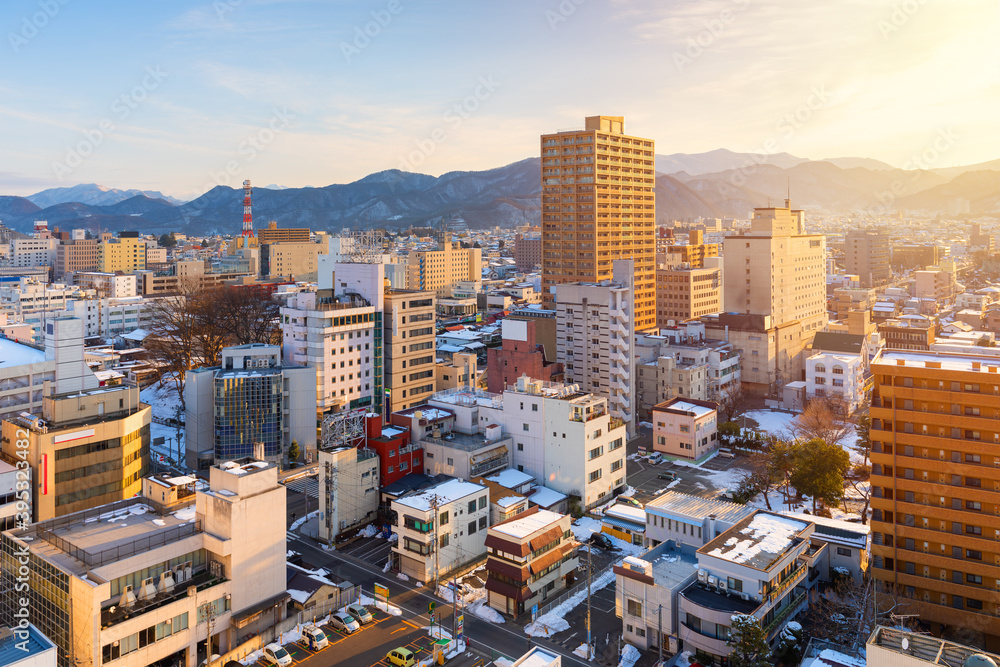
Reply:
x=735, y=400
x=173, y=340
x=251, y=313
x=822, y=419
x=860, y=480
x=849, y=609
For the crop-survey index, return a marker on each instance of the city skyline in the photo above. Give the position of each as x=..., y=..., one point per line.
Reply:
x=182, y=98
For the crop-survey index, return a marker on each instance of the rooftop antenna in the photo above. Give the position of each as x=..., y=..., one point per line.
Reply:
x=788, y=196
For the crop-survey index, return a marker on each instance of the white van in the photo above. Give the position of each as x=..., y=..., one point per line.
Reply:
x=655, y=458
x=314, y=638
x=726, y=453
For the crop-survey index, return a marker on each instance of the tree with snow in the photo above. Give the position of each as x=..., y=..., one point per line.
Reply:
x=748, y=643
x=789, y=649
x=819, y=471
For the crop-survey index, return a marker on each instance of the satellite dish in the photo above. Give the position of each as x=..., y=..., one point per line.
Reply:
x=906, y=643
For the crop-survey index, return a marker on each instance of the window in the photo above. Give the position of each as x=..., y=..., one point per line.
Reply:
x=594, y=476
x=524, y=427
x=472, y=527
x=472, y=506
x=841, y=551
x=482, y=502
x=973, y=555
x=735, y=584
x=444, y=518
x=974, y=579
x=445, y=540
x=482, y=522
x=634, y=607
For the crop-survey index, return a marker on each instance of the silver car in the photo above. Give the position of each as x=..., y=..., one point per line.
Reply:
x=341, y=620
x=360, y=614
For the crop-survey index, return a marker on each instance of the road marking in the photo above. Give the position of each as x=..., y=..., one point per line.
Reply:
x=415, y=627
x=399, y=630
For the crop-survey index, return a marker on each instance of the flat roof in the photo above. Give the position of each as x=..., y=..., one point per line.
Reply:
x=757, y=543
x=16, y=354
x=511, y=478
x=684, y=406
x=17, y=648
x=948, y=361
x=445, y=492
x=543, y=496
x=522, y=527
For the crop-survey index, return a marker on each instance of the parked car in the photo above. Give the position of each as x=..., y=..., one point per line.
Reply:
x=601, y=540
x=360, y=614
x=726, y=453
x=670, y=474
x=274, y=654
x=655, y=458
x=629, y=500
x=314, y=637
x=341, y=620
x=401, y=657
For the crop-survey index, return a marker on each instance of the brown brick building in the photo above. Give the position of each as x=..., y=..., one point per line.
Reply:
x=519, y=355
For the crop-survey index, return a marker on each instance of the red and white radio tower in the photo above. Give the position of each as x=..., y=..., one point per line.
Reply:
x=247, y=214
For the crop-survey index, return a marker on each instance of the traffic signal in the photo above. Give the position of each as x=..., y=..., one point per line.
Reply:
x=430, y=607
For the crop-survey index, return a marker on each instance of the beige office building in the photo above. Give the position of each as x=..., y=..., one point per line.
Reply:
x=684, y=293
x=776, y=272
x=127, y=253
x=76, y=255
x=157, y=577
x=293, y=261
x=90, y=447
x=409, y=347
x=598, y=206
x=439, y=270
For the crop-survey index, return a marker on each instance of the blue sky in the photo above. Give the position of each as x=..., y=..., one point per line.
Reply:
x=179, y=95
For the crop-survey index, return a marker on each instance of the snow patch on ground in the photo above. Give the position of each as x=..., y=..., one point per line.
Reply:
x=301, y=520
x=390, y=609
x=583, y=651
x=554, y=620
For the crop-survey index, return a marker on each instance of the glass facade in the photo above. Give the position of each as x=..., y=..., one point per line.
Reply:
x=247, y=411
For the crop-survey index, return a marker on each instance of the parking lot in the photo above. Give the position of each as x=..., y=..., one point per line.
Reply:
x=644, y=477
x=368, y=645
x=374, y=550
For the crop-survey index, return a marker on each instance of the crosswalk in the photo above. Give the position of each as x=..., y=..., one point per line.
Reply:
x=306, y=485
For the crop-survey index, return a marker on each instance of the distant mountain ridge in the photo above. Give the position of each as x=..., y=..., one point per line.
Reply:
x=508, y=196
x=92, y=194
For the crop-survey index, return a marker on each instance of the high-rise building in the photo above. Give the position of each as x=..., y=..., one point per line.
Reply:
x=775, y=274
x=527, y=252
x=273, y=234
x=935, y=482
x=866, y=254
x=127, y=253
x=694, y=252
x=410, y=345
x=76, y=254
x=598, y=206
x=595, y=338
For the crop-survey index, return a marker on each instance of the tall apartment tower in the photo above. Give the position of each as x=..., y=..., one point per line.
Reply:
x=410, y=345
x=598, y=206
x=866, y=254
x=775, y=275
x=936, y=487
x=595, y=339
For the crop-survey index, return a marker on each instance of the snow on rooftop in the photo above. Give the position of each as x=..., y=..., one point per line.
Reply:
x=15, y=354
x=765, y=534
x=951, y=362
x=543, y=496
x=510, y=478
x=537, y=658
x=522, y=527
x=446, y=492
x=183, y=479
x=507, y=501
x=698, y=410
x=628, y=512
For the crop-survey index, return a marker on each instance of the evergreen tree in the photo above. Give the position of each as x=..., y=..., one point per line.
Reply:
x=819, y=471
x=748, y=642
x=293, y=451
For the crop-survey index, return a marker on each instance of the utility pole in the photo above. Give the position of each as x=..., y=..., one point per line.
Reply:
x=590, y=568
x=659, y=633
x=436, y=541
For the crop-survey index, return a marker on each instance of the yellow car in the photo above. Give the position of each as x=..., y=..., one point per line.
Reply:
x=401, y=657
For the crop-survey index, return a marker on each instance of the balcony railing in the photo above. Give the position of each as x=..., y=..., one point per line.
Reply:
x=785, y=613
x=116, y=613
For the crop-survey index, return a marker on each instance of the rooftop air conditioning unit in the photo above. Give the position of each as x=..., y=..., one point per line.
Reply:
x=147, y=591
x=713, y=581
x=745, y=596
x=166, y=583
x=723, y=585
x=702, y=576
x=127, y=599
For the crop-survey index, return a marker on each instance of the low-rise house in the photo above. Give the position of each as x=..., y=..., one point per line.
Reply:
x=848, y=546
x=532, y=557
x=440, y=528
x=690, y=520
x=685, y=428
x=626, y=522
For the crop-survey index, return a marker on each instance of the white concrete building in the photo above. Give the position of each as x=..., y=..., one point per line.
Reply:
x=33, y=252
x=28, y=372
x=440, y=528
x=838, y=376
x=153, y=577
x=348, y=489
x=595, y=338
x=341, y=337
